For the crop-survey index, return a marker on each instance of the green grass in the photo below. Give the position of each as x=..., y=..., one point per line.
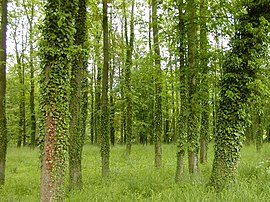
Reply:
x=134, y=178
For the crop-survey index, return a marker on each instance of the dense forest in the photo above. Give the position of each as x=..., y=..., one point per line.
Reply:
x=78, y=74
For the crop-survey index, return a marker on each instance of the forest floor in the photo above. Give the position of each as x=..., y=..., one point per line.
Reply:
x=134, y=178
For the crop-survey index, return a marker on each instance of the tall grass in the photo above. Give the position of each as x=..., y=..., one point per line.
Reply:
x=134, y=178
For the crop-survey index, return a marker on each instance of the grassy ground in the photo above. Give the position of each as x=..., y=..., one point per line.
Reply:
x=134, y=178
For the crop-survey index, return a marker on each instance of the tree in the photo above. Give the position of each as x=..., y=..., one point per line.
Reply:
x=105, y=139
x=128, y=66
x=204, y=85
x=55, y=45
x=158, y=88
x=3, y=59
x=192, y=79
x=79, y=98
x=30, y=19
x=181, y=123
x=240, y=70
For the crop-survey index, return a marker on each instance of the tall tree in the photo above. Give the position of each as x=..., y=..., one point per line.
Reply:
x=204, y=86
x=78, y=98
x=128, y=66
x=192, y=119
x=3, y=59
x=158, y=88
x=181, y=122
x=57, y=39
x=249, y=47
x=30, y=11
x=105, y=139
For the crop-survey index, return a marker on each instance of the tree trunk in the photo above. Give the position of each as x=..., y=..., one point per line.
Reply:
x=3, y=121
x=54, y=100
x=97, y=112
x=193, y=119
x=105, y=142
x=259, y=132
x=79, y=99
x=32, y=81
x=127, y=88
x=158, y=89
x=238, y=73
x=182, y=119
x=204, y=133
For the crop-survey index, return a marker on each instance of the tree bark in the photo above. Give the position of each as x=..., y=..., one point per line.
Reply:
x=105, y=139
x=204, y=133
x=158, y=89
x=182, y=119
x=193, y=119
x=128, y=66
x=3, y=121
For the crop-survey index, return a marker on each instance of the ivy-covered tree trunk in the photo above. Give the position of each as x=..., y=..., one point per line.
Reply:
x=204, y=134
x=192, y=119
x=105, y=139
x=57, y=39
x=3, y=121
x=128, y=66
x=78, y=98
x=249, y=47
x=158, y=89
x=182, y=119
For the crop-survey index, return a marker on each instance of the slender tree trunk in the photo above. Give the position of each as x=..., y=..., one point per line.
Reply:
x=112, y=111
x=3, y=121
x=32, y=81
x=20, y=63
x=54, y=100
x=92, y=114
x=193, y=119
x=182, y=119
x=259, y=132
x=105, y=142
x=204, y=134
x=79, y=99
x=97, y=113
x=158, y=89
x=128, y=66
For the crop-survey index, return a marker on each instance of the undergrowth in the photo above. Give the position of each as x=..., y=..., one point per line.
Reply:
x=134, y=178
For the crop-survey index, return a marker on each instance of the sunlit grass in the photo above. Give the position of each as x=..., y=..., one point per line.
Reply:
x=134, y=178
